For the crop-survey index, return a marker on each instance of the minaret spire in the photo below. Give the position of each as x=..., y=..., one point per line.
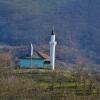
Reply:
x=53, y=33
x=52, y=49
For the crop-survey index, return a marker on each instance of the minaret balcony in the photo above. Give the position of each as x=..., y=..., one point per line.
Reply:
x=53, y=43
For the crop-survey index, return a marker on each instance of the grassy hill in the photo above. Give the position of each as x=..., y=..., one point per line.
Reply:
x=45, y=84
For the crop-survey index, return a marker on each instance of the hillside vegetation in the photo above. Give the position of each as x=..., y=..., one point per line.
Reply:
x=76, y=24
x=48, y=85
x=41, y=84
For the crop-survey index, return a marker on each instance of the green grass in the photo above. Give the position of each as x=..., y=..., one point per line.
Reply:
x=38, y=84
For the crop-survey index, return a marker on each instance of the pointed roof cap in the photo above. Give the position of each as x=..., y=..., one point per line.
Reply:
x=53, y=33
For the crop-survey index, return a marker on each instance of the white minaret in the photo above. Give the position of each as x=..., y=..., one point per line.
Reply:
x=53, y=44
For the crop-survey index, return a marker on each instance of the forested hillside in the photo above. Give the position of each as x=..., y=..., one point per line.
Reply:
x=77, y=24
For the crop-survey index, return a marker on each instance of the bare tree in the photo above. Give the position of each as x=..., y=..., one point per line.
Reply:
x=6, y=60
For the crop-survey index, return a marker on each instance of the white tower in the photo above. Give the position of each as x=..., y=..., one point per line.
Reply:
x=53, y=44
